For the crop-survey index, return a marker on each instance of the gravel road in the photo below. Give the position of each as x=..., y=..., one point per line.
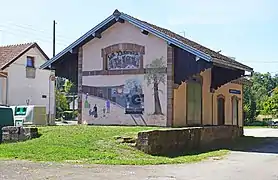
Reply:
x=262, y=164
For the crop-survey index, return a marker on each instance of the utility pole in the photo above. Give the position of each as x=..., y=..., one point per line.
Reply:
x=54, y=34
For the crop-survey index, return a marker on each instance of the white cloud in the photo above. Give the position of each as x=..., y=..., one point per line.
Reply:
x=220, y=11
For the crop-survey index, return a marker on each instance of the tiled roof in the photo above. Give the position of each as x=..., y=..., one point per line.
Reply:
x=12, y=52
x=242, y=80
x=170, y=36
x=216, y=57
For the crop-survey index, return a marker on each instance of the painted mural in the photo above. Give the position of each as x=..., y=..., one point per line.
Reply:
x=124, y=60
x=103, y=103
x=154, y=77
x=122, y=105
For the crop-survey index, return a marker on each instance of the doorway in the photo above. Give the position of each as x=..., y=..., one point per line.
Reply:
x=235, y=110
x=194, y=103
x=221, y=110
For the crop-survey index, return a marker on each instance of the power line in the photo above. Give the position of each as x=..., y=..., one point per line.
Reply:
x=261, y=61
x=41, y=39
x=59, y=38
x=28, y=26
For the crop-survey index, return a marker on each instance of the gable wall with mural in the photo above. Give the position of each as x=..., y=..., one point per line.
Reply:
x=124, y=79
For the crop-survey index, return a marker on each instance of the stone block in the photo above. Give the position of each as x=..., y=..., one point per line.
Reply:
x=16, y=134
x=180, y=140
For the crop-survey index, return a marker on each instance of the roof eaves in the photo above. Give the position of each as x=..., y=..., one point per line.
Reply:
x=239, y=66
x=77, y=42
x=167, y=38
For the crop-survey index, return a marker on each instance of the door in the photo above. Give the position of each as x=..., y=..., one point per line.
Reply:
x=221, y=110
x=235, y=110
x=194, y=103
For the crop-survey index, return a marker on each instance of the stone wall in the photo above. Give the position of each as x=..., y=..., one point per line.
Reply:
x=16, y=134
x=178, y=140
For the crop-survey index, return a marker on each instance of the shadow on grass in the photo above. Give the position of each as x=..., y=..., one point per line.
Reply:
x=242, y=144
x=39, y=135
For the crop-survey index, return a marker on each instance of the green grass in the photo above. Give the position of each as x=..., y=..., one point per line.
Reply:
x=253, y=127
x=91, y=144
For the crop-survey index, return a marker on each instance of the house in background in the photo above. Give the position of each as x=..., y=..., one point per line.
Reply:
x=21, y=80
x=130, y=72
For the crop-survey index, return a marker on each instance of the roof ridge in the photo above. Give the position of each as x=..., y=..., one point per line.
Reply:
x=21, y=44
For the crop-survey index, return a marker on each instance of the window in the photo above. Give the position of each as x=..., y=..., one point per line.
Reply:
x=20, y=111
x=30, y=67
x=30, y=62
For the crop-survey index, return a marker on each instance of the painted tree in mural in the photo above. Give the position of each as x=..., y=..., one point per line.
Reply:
x=155, y=76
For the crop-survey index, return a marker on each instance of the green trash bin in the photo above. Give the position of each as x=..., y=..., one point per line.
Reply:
x=6, y=118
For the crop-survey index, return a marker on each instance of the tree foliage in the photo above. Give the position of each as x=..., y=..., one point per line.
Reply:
x=260, y=98
x=64, y=87
x=61, y=103
x=270, y=106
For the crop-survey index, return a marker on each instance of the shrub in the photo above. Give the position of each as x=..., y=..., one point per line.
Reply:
x=257, y=123
x=70, y=115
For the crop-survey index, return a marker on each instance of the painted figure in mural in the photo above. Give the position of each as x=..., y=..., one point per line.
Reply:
x=95, y=111
x=86, y=104
x=107, y=103
x=154, y=76
x=91, y=112
x=103, y=110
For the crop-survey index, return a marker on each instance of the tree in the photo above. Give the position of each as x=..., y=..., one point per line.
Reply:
x=64, y=87
x=249, y=104
x=257, y=99
x=262, y=85
x=61, y=103
x=68, y=86
x=271, y=105
x=155, y=76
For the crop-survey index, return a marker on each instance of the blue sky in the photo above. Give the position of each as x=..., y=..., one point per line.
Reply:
x=245, y=29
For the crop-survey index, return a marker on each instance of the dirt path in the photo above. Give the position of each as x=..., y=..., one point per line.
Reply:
x=258, y=165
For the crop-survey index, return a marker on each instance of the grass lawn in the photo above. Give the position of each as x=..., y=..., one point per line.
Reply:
x=253, y=127
x=90, y=144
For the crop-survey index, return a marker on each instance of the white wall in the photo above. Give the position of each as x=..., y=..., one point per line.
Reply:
x=21, y=88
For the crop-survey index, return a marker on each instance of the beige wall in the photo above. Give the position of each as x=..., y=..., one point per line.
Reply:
x=209, y=102
x=180, y=106
x=224, y=90
x=93, y=60
x=207, y=98
x=122, y=33
x=21, y=88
